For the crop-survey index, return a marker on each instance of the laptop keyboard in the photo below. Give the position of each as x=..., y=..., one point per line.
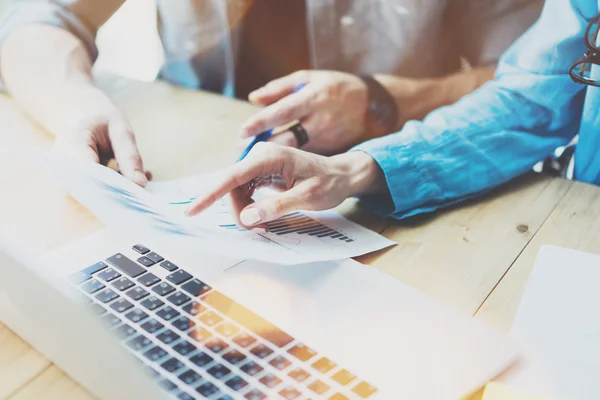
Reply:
x=198, y=343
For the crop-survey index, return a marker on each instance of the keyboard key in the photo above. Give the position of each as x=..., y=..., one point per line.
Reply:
x=184, y=348
x=225, y=397
x=167, y=385
x=167, y=313
x=302, y=352
x=261, y=351
x=137, y=293
x=234, y=357
x=289, y=393
x=196, y=287
x=299, y=375
x=255, y=394
x=169, y=266
x=110, y=320
x=139, y=342
x=145, y=261
x=163, y=289
x=85, y=274
x=219, y=371
x=152, y=372
x=236, y=383
x=152, y=303
x=121, y=305
x=109, y=275
x=154, y=257
x=207, y=389
x=199, y=334
x=124, y=331
x=324, y=365
x=168, y=336
x=270, y=380
x=126, y=265
x=364, y=389
x=184, y=396
x=92, y=286
x=189, y=377
x=319, y=387
x=107, y=296
x=247, y=318
x=172, y=365
x=178, y=298
x=152, y=326
x=136, y=315
x=183, y=323
x=97, y=309
x=141, y=249
x=216, y=345
x=123, y=284
x=83, y=298
x=251, y=368
x=148, y=279
x=244, y=340
x=178, y=277
x=343, y=377
x=280, y=362
x=339, y=396
x=155, y=353
x=194, y=308
x=201, y=359
x=227, y=329
x=210, y=318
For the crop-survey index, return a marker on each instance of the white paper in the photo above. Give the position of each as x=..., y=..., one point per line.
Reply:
x=149, y=216
x=558, y=326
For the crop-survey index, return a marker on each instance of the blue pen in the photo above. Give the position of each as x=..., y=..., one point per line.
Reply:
x=264, y=136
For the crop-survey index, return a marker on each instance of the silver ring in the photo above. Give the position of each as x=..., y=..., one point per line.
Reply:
x=300, y=134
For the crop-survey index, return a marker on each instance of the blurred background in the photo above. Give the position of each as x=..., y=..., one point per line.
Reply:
x=129, y=44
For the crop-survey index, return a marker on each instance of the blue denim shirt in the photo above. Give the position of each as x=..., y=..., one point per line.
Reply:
x=501, y=130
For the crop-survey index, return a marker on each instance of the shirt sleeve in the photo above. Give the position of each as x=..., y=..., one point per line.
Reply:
x=483, y=29
x=494, y=134
x=82, y=18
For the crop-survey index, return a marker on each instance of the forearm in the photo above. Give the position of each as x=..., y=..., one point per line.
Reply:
x=48, y=72
x=415, y=98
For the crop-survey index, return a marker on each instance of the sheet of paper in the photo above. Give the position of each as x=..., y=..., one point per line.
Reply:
x=149, y=215
x=558, y=327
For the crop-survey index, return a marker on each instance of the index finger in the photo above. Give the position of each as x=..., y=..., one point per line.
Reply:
x=295, y=106
x=233, y=177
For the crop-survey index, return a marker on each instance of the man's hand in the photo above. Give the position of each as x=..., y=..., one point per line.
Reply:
x=310, y=182
x=100, y=132
x=332, y=107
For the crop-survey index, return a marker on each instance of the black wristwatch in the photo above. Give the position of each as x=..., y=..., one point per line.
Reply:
x=382, y=112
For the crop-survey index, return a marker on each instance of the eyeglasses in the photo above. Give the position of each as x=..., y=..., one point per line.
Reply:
x=581, y=70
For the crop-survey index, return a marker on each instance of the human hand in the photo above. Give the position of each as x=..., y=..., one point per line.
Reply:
x=310, y=182
x=100, y=132
x=332, y=108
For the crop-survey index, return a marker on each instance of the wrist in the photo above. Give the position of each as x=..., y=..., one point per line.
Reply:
x=361, y=172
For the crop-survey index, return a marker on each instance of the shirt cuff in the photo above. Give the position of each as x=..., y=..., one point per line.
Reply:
x=408, y=184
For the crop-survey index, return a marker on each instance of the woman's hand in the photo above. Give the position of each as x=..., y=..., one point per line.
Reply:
x=332, y=107
x=310, y=182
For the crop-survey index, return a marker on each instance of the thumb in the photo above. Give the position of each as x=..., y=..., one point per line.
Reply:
x=274, y=207
x=127, y=155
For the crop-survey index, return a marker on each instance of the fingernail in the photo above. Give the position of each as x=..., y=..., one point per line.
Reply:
x=250, y=216
x=140, y=177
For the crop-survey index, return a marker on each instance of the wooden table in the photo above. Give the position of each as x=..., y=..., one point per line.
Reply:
x=476, y=257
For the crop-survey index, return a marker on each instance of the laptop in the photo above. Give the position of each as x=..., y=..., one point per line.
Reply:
x=133, y=321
